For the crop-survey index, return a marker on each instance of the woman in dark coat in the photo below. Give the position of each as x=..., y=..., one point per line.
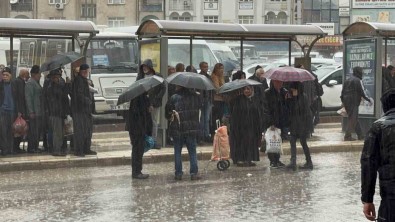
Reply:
x=140, y=124
x=300, y=123
x=246, y=128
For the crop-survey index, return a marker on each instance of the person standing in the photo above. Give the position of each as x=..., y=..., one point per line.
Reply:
x=183, y=112
x=81, y=107
x=155, y=96
x=140, y=125
x=33, y=95
x=300, y=123
x=56, y=107
x=246, y=128
x=7, y=111
x=19, y=84
x=207, y=97
x=351, y=96
x=276, y=115
x=217, y=76
x=378, y=156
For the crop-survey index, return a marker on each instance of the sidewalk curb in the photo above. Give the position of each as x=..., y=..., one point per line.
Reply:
x=108, y=160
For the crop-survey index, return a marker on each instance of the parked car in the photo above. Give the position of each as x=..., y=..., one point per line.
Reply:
x=250, y=69
x=331, y=79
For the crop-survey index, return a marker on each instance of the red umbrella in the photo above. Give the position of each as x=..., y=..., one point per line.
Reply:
x=289, y=74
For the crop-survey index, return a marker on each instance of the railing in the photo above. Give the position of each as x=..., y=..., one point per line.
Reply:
x=22, y=7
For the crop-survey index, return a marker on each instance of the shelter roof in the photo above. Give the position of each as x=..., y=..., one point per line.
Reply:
x=370, y=29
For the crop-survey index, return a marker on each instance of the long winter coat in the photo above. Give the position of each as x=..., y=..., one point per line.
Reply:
x=56, y=102
x=276, y=109
x=14, y=95
x=246, y=129
x=140, y=120
x=81, y=98
x=378, y=156
x=19, y=85
x=301, y=120
x=186, y=103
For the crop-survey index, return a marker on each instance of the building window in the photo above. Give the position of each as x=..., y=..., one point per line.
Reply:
x=22, y=5
x=282, y=18
x=57, y=1
x=211, y=19
x=246, y=0
x=151, y=6
x=57, y=18
x=246, y=19
x=270, y=18
x=88, y=11
x=116, y=21
x=184, y=17
x=216, y=1
x=114, y=2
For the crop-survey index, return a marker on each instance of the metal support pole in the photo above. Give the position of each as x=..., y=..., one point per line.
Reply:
x=241, y=54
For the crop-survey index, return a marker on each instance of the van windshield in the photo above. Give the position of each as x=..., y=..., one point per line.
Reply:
x=112, y=55
x=179, y=53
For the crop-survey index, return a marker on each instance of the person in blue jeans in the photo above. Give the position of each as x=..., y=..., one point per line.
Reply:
x=182, y=111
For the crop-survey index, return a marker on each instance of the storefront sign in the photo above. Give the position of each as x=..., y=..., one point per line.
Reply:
x=330, y=40
x=327, y=27
x=246, y=5
x=344, y=11
x=362, y=53
x=373, y=3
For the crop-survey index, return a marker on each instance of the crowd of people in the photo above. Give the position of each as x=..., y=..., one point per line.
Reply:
x=44, y=108
x=248, y=112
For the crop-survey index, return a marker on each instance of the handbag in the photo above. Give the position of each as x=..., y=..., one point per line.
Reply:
x=342, y=112
x=149, y=143
x=68, y=126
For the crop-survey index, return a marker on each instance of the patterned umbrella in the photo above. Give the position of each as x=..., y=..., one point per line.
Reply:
x=289, y=74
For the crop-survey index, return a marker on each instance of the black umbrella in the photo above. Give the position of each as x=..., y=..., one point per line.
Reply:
x=237, y=84
x=139, y=87
x=60, y=60
x=190, y=80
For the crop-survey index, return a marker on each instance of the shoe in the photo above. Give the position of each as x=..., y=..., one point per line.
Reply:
x=307, y=166
x=178, y=177
x=90, y=152
x=251, y=164
x=349, y=139
x=273, y=165
x=280, y=164
x=140, y=176
x=58, y=154
x=79, y=154
x=241, y=164
x=195, y=177
x=291, y=166
x=361, y=138
x=20, y=151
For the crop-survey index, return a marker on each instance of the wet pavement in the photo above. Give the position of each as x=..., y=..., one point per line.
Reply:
x=330, y=192
x=114, y=149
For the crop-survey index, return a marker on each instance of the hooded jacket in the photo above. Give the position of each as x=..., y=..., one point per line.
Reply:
x=352, y=91
x=155, y=95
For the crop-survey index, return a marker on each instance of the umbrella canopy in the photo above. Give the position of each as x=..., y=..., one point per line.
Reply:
x=237, y=84
x=190, y=80
x=289, y=74
x=139, y=87
x=60, y=60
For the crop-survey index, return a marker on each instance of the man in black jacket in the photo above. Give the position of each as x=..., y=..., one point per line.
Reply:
x=378, y=155
x=81, y=107
x=351, y=96
x=19, y=84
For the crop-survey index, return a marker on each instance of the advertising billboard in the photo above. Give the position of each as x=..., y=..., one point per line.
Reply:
x=150, y=49
x=373, y=4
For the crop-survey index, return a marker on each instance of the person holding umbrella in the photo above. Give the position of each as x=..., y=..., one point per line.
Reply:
x=139, y=122
x=155, y=96
x=300, y=123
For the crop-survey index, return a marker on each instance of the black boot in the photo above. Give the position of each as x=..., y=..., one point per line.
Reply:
x=307, y=166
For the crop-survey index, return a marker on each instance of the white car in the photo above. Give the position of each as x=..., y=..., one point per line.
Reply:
x=331, y=79
x=250, y=69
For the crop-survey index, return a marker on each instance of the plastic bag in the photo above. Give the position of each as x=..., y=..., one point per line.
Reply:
x=19, y=127
x=221, y=144
x=342, y=112
x=149, y=143
x=68, y=126
x=273, y=140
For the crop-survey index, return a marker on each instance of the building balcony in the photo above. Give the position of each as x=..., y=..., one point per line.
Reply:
x=22, y=7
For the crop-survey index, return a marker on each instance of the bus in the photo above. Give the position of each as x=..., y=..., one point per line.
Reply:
x=113, y=58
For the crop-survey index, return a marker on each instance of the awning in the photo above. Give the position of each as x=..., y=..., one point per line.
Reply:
x=370, y=29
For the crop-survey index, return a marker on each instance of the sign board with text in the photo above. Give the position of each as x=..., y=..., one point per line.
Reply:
x=373, y=3
x=363, y=53
x=327, y=27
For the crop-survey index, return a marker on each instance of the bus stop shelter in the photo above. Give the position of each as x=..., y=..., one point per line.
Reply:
x=157, y=33
x=40, y=28
x=366, y=45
